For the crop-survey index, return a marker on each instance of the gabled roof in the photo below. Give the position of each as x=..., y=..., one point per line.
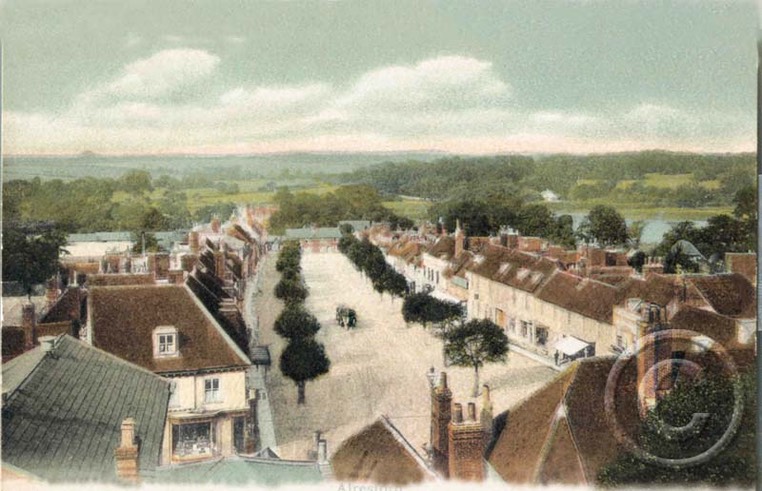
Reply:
x=584, y=296
x=65, y=407
x=728, y=294
x=525, y=271
x=560, y=433
x=379, y=454
x=240, y=471
x=443, y=248
x=123, y=320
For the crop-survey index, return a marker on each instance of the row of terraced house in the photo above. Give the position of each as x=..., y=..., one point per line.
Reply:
x=563, y=304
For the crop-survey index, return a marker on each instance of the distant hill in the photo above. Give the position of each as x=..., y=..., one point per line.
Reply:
x=91, y=164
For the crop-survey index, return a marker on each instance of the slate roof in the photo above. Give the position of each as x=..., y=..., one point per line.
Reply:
x=124, y=317
x=379, y=454
x=64, y=410
x=560, y=434
x=239, y=471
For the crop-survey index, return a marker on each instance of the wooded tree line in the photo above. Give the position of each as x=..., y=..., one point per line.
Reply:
x=105, y=204
x=346, y=203
x=303, y=359
x=525, y=177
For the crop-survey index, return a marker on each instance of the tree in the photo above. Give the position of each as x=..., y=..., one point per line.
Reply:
x=475, y=343
x=294, y=322
x=677, y=259
x=604, y=225
x=713, y=396
x=304, y=360
x=291, y=290
x=31, y=258
x=425, y=309
x=637, y=260
x=136, y=182
x=145, y=242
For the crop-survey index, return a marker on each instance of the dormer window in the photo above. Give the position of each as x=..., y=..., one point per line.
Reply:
x=165, y=342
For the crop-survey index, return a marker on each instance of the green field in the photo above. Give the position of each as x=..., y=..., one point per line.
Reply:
x=412, y=209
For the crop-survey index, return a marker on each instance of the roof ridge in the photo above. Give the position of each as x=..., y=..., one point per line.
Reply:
x=238, y=351
x=29, y=374
x=397, y=435
x=122, y=361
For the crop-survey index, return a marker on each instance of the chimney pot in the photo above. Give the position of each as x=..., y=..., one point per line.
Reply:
x=322, y=451
x=471, y=411
x=443, y=380
x=47, y=343
x=457, y=414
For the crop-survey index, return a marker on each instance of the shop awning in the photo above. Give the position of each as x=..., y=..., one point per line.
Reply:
x=570, y=346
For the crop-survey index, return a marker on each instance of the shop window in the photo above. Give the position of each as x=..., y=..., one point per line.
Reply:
x=192, y=440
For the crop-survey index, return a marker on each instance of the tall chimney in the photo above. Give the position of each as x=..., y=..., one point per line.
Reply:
x=51, y=292
x=441, y=407
x=466, y=446
x=460, y=239
x=29, y=325
x=193, y=242
x=126, y=454
x=486, y=415
x=216, y=226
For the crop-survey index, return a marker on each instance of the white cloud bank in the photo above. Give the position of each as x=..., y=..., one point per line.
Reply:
x=174, y=102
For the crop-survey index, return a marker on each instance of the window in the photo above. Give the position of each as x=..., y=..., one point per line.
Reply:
x=212, y=390
x=165, y=342
x=524, y=328
x=191, y=441
x=620, y=341
x=512, y=324
x=541, y=336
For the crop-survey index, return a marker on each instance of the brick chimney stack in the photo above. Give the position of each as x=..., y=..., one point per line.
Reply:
x=216, y=225
x=460, y=239
x=486, y=415
x=466, y=446
x=219, y=264
x=441, y=407
x=126, y=454
x=193, y=242
x=51, y=292
x=29, y=325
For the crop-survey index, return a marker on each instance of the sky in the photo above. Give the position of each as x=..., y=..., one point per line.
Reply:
x=459, y=76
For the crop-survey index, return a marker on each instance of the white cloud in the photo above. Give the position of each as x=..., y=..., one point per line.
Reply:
x=451, y=103
x=444, y=82
x=157, y=75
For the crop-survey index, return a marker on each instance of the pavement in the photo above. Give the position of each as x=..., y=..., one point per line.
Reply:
x=378, y=368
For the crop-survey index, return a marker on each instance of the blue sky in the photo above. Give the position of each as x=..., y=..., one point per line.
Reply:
x=474, y=77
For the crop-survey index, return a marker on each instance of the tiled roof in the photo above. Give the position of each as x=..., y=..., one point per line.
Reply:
x=728, y=294
x=584, y=296
x=560, y=434
x=65, y=407
x=514, y=268
x=443, y=248
x=70, y=303
x=240, y=471
x=379, y=454
x=123, y=320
